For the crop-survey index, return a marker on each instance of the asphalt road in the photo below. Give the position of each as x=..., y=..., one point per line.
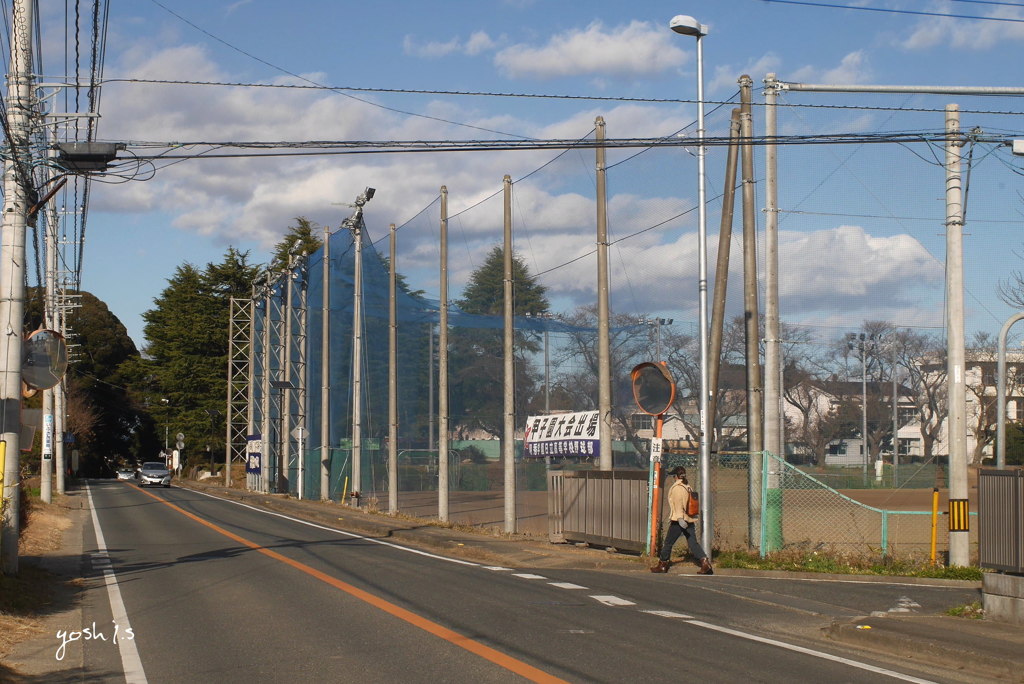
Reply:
x=217, y=591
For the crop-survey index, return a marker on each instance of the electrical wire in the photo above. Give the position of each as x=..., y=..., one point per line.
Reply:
x=561, y=96
x=893, y=11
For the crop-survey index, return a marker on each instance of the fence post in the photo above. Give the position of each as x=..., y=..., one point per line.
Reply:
x=764, y=498
x=885, y=533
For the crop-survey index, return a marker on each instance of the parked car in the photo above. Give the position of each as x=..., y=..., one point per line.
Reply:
x=125, y=474
x=154, y=473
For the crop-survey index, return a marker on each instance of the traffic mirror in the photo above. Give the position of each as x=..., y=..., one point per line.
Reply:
x=654, y=390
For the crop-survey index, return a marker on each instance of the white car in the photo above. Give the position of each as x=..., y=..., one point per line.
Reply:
x=154, y=473
x=125, y=474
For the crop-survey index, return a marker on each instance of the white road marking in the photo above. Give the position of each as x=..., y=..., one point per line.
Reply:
x=566, y=585
x=353, y=535
x=811, y=652
x=613, y=601
x=668, y=614
x=130, y=661
x=527, y=575
x=497, y=568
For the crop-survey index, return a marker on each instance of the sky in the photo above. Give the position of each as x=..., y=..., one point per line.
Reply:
x=861, y=226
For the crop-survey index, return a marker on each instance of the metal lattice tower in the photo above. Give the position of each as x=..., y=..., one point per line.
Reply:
x=239, y=404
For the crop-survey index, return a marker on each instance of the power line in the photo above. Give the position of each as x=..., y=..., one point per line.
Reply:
x=553, y=96
x=897, y=11
x=328, y=148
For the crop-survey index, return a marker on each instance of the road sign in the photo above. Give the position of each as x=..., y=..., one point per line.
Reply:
x=180, y=436
x=179, y=444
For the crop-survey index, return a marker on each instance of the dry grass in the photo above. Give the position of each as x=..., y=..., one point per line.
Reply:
x=23, y=598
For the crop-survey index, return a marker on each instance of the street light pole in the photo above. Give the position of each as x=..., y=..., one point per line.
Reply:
x=861, y=345
x=689, y=26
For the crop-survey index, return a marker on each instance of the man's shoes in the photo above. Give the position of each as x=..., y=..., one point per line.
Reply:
x=662, y=566
x=705, y=567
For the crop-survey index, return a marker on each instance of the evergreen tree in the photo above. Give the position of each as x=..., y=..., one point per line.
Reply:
x=476, y=365
x=183, y=379
x=105, y=424
x=302, y=237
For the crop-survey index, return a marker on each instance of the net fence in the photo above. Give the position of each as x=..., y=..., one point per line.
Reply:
x=861, y=249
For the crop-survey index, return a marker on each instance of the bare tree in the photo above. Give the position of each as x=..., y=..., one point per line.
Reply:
x=630, y=344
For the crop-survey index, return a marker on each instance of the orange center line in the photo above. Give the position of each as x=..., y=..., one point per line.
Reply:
x=497, y=657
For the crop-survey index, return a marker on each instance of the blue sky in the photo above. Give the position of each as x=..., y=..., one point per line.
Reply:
x=861, y=225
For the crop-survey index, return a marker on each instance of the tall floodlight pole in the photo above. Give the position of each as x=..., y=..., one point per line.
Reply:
x=392, y=371
x=442, y=369
x=355, y=224
x=508, y=444
x=12, y=268
x=691, y=27
x=959, y=548
x=325, y=370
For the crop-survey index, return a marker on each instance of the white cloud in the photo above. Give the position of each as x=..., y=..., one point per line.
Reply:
x=431, y=49
x=963, y=34
x=636, y=49
x=726, y=78
x=856, y=269
x=477, y=43
x=853, y=68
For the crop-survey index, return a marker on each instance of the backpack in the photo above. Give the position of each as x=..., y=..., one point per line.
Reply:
x=693, y=504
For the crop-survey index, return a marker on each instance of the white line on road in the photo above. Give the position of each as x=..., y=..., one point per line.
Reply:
x=613, y=601
x=668, y=614
x=130, y=661
x=810, y=652
x=566, y=585
x=353, y=535
x=527, y=575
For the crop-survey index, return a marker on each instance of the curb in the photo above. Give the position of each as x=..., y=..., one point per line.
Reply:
x=937, y=640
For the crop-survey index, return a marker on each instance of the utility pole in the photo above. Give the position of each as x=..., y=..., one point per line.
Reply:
x=604, y=381
x=773, y=440
x=755, y=414
x=17, y=182
x=722, y=268
x=956, y=426
x=894, y=340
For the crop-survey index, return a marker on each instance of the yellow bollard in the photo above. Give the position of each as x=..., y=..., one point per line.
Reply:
x=935, y=519
x=344, y=490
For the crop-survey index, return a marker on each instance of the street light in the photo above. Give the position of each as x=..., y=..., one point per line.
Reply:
x=656, y=323
x=688, y=26
x=862, y=344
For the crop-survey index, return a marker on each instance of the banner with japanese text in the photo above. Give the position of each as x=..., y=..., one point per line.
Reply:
x=564, y=435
